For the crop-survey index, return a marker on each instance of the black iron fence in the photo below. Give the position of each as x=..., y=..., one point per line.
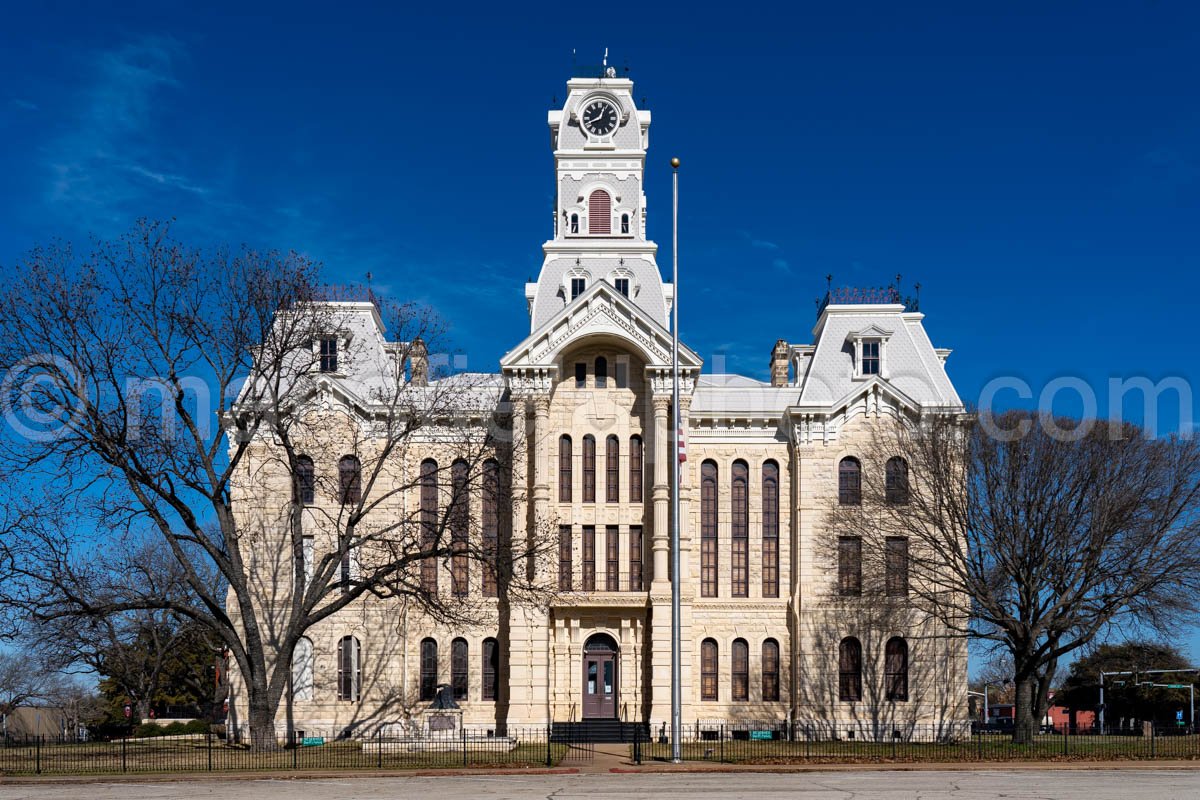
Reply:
x=520, y=747
x=780, y=743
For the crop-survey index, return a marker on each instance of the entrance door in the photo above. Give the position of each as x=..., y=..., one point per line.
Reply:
x=600, y=678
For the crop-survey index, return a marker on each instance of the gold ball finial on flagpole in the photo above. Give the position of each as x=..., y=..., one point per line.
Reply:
x=675, y=163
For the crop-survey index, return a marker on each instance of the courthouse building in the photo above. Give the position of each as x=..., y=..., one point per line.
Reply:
x=772, y=627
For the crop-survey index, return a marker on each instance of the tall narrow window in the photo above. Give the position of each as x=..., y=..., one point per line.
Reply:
x=770, y=529
x=589, y=558
x=580, y=375
x=708, y=529
x=635, y=558
x=612, y=560
x=740, y=530
x=850, y=669
x=589, y=469
x=625, y=224
x=741, y=670
x=849, y=566
x=635, y=469
x=621, y=373
x=897, y=566
x=612, y=470
x=306, y=481
x=491, y=669
x=350, y=480
x=490, y=525
x=574, y=226
x=564, y=469
x=429, y=525
x=770, y=671
x=850, y=482
x=599, y=212
x=896, y=669
x=429, y=669
x=577, y=287
x=897, y=481
x=870, y=358
x=564, y=557
x=459, y=523
x=349, y=657
x=329, y=354
x=458, y=668
x=302, y=669
x=601, y=372
x=708, y=670
x=622, y=285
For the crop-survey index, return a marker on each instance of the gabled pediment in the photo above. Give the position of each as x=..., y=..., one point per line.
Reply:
x=872, y=331
x=600, y=311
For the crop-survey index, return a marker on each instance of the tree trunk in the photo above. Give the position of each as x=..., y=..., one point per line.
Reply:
x=1025, y=725
x=262, y=725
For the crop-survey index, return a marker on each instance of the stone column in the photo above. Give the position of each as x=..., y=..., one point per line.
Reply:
x=661, y=493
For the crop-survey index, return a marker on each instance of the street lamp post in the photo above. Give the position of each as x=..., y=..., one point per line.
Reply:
x=676, y=628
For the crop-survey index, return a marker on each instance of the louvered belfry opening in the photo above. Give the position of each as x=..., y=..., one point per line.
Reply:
x=599, y=212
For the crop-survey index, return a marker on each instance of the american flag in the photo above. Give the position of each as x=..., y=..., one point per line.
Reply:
x=682, y=447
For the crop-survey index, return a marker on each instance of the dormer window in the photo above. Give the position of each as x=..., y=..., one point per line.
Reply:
x=622, y=285
x=329, y=354
x=577, y=287
x=870, y=357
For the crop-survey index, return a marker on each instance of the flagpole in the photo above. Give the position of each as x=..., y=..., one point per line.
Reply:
x=676, y=627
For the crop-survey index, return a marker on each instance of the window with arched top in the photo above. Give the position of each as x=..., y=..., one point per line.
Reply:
x=895, y=670
x=770, y=529
x=458, y=668
x=850, y=669
x=574, y=223
x=601, y=372
x=350, y=480
x=624, y=223
x=491, y=669
x=635, y=469
x=770, y=671
x=708, y=670
x=599, y=212
x=739, y=539
x=302, y=669
x=850, y=482
x=740, y=689
x=429, y=524
x=489, y=523
x=306, y=481
x=564, y=469
x=612, y=469
x=429, y=668
x=459, y=518
x=349, y=659
x=589, y=469
x=708, y=529
x=896, y=475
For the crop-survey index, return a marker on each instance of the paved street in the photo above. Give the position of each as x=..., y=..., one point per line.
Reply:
x=1079, y=784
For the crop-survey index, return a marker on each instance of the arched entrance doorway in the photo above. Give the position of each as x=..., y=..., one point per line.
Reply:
x=600, y=677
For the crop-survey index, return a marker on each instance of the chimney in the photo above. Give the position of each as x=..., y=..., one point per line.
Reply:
x=779, y=364
x=418, y=360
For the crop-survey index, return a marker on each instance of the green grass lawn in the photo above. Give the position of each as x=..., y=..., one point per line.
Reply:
x=179, y=754
x=984, y=748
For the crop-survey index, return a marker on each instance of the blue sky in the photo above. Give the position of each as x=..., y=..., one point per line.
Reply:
x=1036, y=169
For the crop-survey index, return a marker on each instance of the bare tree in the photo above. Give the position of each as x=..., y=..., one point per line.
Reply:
x=181, y=390
x=24, y=680
x=1035, y=534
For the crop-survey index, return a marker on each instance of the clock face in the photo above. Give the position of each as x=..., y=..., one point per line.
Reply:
x=599, y=118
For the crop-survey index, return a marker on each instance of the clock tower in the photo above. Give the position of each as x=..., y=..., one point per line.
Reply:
x=599, y=138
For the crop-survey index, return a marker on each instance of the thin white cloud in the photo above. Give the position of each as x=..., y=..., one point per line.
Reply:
x=21, y=102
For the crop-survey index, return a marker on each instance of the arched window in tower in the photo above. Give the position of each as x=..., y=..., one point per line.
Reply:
x=599, y=212
x=612, y=469
x=589, y=469
x=770, y=529
x=574, y=223
x=601, y=372
x=708, y=529
x=624, y=223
